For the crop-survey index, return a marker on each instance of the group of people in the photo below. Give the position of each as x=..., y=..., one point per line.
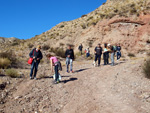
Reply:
x=55, y=64
x=108, y=51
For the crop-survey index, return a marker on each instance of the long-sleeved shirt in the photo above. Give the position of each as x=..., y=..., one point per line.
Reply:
x=69, y=52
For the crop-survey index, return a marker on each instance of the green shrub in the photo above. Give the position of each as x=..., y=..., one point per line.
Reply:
x=61, y=26
x=45, y=47
x=131, y=55
x=12, y=73
x=4, y=63
x=90, y=18
x=146, y=69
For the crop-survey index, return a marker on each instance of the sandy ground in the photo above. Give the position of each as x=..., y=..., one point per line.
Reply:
x=106, y=89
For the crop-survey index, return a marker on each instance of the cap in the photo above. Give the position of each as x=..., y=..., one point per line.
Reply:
x=38, y=47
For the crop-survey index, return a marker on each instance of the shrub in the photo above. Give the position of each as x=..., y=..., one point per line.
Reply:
x=60, y=52
x=15, y=43
x=146, y=69
x=90, y=18
x=12, y=73
x=131, y=55
x=61, y=26
x=83, y=26
x=30, y=45
x=4, y=63
x=9, y=55
x=45, y=47
x=83, y=16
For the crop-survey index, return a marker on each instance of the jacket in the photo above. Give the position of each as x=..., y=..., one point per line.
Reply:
x=35, y=54
x=69, y=52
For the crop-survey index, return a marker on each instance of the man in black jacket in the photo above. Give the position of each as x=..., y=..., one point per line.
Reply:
x=69, y=58
x=98, y=53
x=36, y=54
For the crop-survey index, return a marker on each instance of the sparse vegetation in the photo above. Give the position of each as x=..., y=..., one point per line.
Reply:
x=131, y=55
x=12, y=73
x=30, y=45
x=45, y=47
x=58, y=51
x=83, y=26
x=62, y=26
x=146, y=69
x=4, y=63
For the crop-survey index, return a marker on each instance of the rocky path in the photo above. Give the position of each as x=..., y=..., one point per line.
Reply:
x=106, y=89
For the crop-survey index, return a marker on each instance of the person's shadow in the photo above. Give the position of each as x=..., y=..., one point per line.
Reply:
x=80, y=70
x=71, y=79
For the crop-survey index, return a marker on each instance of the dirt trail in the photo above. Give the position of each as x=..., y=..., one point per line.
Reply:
x=106, y=89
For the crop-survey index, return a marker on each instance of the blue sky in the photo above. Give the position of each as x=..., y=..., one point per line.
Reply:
x=26, y=18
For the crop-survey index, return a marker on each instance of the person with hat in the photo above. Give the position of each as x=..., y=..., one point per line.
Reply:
x=36, y=54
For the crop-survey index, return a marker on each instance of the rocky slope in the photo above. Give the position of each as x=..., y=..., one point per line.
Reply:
x=126, y=22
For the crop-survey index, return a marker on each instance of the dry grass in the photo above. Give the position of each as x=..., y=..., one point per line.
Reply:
x=4, y=63
x=12, y=73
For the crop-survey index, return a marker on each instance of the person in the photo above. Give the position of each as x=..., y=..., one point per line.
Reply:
x=80, y=48
x=54, y=63
x=112, y=51
x=118, y=52
x=106, y=54
x=98, y=53
x=87, y=52
x=69, y=58
x=36, y=54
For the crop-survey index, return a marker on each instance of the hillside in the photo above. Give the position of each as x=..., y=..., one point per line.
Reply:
x=126, y=22
x=122, y=88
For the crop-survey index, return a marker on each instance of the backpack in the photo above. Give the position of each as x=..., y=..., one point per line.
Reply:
x=114, y=48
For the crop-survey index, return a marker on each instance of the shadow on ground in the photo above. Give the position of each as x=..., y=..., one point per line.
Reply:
x=71, y=79
x=81, y=70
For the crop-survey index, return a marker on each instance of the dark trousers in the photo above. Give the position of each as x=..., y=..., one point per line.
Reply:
x=34, y=66
x=118, y=55
x=56, y=73
x=106, y=58
x=98, y=57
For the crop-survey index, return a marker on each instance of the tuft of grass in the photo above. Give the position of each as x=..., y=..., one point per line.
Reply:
x=131, y=55
x=146, y=69
x=4, y=63
x=12, y=73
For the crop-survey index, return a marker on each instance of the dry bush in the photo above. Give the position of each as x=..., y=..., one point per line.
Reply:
x=45, y=47
x=146, y=69
x=4, y=63
x=58, y=51
x=12, y=73
x=30, y=45
x=131, y=55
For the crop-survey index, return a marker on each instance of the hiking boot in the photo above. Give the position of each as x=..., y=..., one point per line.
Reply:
x=35, y=78
x=31, y=78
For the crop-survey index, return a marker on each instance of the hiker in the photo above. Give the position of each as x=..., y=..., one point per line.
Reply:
x=118, y=52
x=69, y=58
x=54, y=62
x=112, y=51
x=106, y=54
x=36, y=54
x=80, y=48
x=98, y=53
x=87, y=52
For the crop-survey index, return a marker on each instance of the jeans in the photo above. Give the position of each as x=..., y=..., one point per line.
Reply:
x=56, y=73
x=118, y=55
x=69, y=61
x=99, y=59
x=87, y=55
x=34, y=66
x=112, y=59
x=106, y=58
